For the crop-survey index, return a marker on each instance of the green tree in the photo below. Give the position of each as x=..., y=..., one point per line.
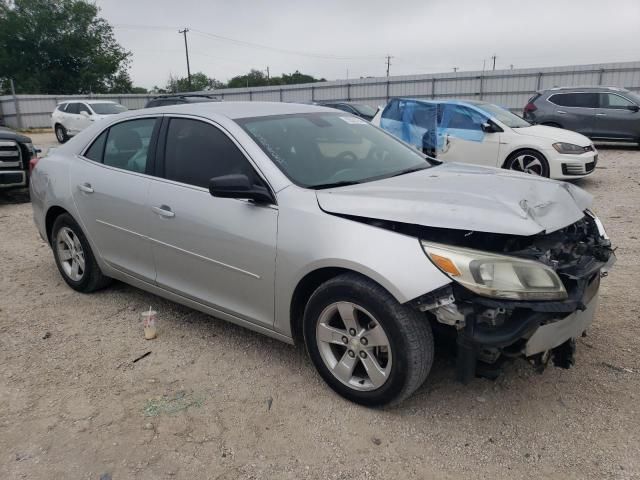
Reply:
x=257, y=78
x=199, y=82
x=60, y=46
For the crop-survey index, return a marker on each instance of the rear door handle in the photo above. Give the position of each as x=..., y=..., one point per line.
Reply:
x=601, y=114
x=163, y=211
x=86, y=188
x=561, y=112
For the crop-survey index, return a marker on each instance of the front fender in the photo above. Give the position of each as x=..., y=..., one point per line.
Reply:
x=310, y=239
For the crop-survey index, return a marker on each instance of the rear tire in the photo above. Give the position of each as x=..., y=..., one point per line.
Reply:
x=390, y=354
x=61, y=133
x=74, y=257
x=528, y=161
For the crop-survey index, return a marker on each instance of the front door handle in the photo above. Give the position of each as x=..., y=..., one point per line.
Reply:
x=601, y=114
x=86, y=188
x=163, y=211
x=561, y=112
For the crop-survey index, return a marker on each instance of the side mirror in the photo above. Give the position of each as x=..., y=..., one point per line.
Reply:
x=85, y=114
x=633, y=108
x=238, y=185
x=490, y=127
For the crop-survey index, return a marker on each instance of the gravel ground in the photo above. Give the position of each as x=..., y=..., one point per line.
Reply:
x=213, y=400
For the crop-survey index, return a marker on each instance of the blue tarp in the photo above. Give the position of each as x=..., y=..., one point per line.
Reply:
x=425, y=124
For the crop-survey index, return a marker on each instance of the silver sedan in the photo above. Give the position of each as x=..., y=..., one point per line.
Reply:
x=309, y=224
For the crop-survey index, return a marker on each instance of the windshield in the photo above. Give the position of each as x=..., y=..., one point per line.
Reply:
x=107, y=108
x=363, y=109
x=633, y=96
x=322, y=150
x=505, y=116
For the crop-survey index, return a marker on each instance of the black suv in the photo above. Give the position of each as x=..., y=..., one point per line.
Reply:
x=600, y=113
x=16, y=151
x=180, y=99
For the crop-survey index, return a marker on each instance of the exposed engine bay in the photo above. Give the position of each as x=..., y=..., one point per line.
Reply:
x=488, y=330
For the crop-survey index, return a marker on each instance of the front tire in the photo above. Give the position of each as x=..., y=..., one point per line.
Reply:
x=368, y=347
x=61, y=133
x=74, y=257
x=528, y=161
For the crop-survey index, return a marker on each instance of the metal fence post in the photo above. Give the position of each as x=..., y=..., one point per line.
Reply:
x=348, y=92
x=313, y=93
x=433, y=88
x=280, y=93
x=388, y=84
x=251, y=95
x=539, y=83
x=481, y=77
x=600, y=75
x=16, y=104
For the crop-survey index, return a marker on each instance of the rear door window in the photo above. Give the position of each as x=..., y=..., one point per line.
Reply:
x=82, y=107
x=393, y=111
x=578, y=99
x=127, y=144
x=72, y=108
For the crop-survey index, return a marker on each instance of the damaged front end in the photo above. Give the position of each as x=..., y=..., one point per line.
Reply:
x=515, y=296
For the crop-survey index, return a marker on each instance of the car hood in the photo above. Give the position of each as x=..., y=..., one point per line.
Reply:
x=463, y=197
x=7, y=134
x=555, y=134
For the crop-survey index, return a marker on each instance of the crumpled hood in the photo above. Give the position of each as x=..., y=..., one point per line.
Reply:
x=554, y=134
x=464, y=197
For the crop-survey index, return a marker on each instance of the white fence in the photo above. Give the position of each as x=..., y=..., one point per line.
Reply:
x=509, y=88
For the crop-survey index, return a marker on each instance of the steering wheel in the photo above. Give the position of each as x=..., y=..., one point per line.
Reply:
x=347, y=156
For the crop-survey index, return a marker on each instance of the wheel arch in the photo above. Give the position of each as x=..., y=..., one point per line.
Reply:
x=523, y=149
x=305, y=288
x=52, y=213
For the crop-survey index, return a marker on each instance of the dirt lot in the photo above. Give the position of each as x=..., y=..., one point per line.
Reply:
x=216, y=401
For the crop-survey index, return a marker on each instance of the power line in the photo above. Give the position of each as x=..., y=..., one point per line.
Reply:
x=186, y=50
x=247, y=44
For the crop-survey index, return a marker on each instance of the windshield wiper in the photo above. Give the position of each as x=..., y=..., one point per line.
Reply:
x=342, y=183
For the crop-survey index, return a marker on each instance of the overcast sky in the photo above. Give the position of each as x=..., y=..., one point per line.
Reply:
x=339, y=38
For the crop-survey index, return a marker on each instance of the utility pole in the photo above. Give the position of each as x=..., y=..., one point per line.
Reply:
x=186, y=49
x=455, y=69
x=268, y=74
x=389, y=57
x=494, y=61
x=511, y=66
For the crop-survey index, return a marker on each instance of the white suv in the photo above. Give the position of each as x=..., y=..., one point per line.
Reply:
x=71, y=117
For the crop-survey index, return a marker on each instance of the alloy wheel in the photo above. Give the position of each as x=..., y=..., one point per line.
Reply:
x=70, y=254
x=59, y=134
x=354, y=346
x=527, y=163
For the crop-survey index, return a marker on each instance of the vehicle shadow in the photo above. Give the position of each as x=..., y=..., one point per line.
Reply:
x=14, y=197
x=192, y=326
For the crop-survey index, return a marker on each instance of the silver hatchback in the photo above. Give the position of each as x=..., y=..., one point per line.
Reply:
x=306, y=223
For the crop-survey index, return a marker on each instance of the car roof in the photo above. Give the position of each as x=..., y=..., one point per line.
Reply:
x=85, y=101
x=451, y=101
x=235, y=110
x=583, y=88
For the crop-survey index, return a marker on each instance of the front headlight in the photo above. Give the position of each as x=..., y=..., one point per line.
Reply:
x=562, y=147
x=498, y=276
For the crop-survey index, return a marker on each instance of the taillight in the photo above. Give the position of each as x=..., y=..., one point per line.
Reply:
x=530, y=107
x=32, y=163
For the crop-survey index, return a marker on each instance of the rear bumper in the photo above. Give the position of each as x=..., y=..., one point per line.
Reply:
x=13, y=179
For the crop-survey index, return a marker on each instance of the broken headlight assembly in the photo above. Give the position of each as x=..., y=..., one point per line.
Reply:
x=497, y=276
